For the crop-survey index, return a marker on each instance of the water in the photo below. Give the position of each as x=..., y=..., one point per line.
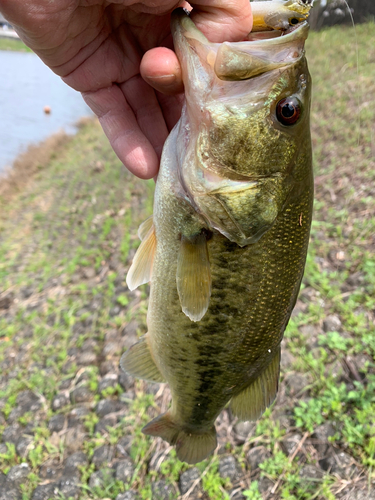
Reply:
x=26, y=87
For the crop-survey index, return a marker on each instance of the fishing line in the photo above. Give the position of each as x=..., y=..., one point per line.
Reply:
x=323, y=3
x=357, y=58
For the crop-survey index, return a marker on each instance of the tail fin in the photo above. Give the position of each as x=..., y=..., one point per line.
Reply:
x=190, y=447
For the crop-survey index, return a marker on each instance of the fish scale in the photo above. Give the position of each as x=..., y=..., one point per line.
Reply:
x=226, y=248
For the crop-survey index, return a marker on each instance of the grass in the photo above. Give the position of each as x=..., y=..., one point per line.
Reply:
x=36, y=158
x=13, y=45
x=68, y=236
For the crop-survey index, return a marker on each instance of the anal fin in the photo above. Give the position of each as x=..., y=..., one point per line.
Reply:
x=194, y=276
x=254, y=399
x=141, y=269
x=138, y=362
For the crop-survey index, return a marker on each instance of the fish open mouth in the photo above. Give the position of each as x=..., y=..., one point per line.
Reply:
x=233, y=61
x=268, y=50
x=270, y=34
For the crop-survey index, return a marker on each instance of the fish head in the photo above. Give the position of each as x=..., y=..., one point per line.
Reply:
x=244, y=135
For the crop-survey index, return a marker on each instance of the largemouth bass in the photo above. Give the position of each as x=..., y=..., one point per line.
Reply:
x=225, y=249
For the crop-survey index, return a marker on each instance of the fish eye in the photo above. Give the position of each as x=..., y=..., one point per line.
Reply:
x=293, y=20
x=288, y=110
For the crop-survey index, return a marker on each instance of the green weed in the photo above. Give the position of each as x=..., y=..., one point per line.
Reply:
x=253, y=492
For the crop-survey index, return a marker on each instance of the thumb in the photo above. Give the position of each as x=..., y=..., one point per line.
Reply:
x=219, y=21
x=223, y=20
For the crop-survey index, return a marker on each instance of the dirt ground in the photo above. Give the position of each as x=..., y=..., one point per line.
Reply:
x=71, y=421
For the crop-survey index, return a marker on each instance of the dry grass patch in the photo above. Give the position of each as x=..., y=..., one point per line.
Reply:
x=36, y=158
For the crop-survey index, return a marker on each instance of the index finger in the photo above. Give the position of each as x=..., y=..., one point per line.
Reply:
x=124, y=112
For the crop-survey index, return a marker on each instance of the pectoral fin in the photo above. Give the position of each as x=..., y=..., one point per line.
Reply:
x=141, y=269
x=194, y=276
x=252, y=401
x=138, y=362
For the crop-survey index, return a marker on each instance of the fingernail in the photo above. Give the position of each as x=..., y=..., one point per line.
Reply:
x=164, y=80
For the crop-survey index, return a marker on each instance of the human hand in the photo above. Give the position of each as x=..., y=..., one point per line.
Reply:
x=118, y=54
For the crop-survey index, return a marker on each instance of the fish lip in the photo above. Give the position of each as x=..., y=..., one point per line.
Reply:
x=296, y=32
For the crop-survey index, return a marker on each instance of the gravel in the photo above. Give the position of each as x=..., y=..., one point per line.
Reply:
x=12, y=433
x=124, y=470
x=81, y=395
x=69, y=393
x=229, y=468
x=291, y=442
x=69, y=486
x=106, y=367
x=23, y=444
x=59, y=401
x=265, y=484
x=320, y=438
x=99, y=478
x=161, y=490
x=56, y=423
x=51, y=470
x=74, y=439
x=105, y=423
x=102, y=455
x=18, y=474
x=106, y=406
x=128, y=495
x=296, y=384
x=74, y=462
x=109, y=381
x=45, y=491
x=340, y=463
x=257, y=456
x=311, y=473
x=242, y=430
x=332, y=323
x=187, y=479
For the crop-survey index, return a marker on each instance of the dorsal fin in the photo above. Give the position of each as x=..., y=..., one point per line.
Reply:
x=141, y=269
x=194, y=276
